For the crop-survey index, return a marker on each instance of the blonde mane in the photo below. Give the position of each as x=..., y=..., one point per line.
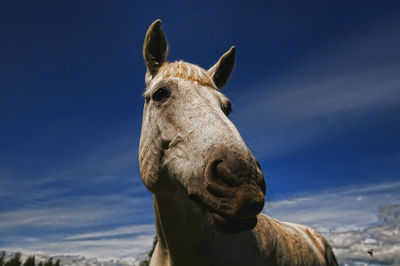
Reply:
x=184, y=70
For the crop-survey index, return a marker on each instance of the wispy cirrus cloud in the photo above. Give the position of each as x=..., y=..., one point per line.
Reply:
x=103, y=227
x=94, y=205
x=296, y=114
x=339, y=209
x=121, y=231
x=76, y=211
x=336, y=88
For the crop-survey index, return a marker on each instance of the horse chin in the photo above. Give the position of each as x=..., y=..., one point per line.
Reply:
x=229, y=225
x=220, y=221
x=233, y=210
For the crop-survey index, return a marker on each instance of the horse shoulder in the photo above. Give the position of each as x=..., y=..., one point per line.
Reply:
x=303, y=243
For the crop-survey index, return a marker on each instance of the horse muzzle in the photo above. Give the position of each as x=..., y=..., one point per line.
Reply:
x=232, y=191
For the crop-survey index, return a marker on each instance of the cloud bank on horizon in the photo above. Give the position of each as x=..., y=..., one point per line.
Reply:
x=354, y=219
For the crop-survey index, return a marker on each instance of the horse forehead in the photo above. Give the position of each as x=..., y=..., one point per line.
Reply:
x=182, y=70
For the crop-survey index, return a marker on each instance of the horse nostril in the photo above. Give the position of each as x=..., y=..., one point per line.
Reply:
x=222, y=172
x=218, y=181
x=225, y=171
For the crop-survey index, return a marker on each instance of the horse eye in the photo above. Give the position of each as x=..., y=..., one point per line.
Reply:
x=161, y=94
x=227, y=108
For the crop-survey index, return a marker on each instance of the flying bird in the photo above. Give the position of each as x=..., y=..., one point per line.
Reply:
x=371, y=252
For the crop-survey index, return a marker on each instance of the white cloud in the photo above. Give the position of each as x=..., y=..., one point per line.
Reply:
x=100, y=249
x=121, y=231
x=353, y=219
x=72, y=260
x=350, y=92
x=52, y=217
x=74, y=212
x=341, y=209
x=351, y=247
x=92, y=226
x=120, y=243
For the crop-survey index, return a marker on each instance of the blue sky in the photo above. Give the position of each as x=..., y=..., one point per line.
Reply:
x=315, y=94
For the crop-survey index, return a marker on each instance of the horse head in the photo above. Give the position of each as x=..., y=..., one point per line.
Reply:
x=189, y=144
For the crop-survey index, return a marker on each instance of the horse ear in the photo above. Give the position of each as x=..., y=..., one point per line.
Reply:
x=155, y=47
x=222, y=70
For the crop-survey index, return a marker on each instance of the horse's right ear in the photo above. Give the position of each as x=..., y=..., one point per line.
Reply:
x=155, y=47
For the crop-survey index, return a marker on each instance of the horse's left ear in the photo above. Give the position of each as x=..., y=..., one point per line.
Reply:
x=222, y=70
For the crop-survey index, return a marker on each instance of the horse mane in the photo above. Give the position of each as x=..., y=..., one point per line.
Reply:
x=185, y=71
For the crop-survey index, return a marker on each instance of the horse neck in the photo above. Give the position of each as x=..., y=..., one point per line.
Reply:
x=180, y=227
x=186, y=238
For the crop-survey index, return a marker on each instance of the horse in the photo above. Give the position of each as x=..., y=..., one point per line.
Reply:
x=208, y=188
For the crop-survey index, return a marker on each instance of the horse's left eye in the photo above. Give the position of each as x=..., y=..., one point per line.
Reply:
x=161, y=94
x=227, y=108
